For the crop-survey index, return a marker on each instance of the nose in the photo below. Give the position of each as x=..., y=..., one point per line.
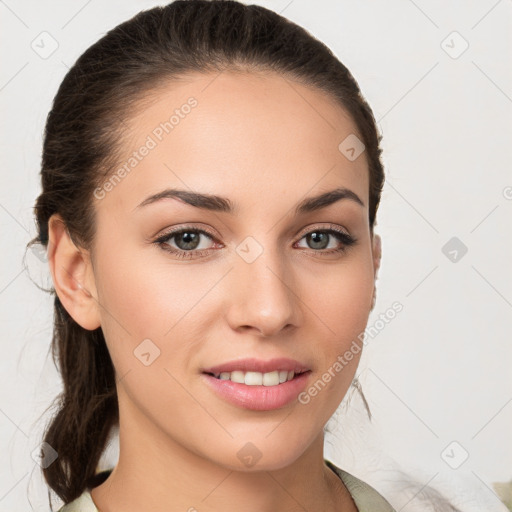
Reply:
x=264, y=297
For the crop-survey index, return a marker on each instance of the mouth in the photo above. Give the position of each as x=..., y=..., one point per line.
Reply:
x=257, y=391
x=257, y=369
x=273, y=378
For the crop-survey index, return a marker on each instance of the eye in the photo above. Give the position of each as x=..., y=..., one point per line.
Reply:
x=187, y=242
x=190, y=242
x=320, y=239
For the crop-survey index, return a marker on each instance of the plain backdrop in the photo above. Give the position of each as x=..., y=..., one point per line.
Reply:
x=437, y=75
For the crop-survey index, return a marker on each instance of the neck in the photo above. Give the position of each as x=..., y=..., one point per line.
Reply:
x=156, y=472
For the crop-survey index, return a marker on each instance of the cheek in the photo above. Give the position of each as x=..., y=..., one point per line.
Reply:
x=342, y=309
x=143, y=296
x=131, y=308
x=343, y=313
x=344, y=303
x=140, y=295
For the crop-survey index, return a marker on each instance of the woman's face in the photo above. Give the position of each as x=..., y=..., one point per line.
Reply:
x=265, y=281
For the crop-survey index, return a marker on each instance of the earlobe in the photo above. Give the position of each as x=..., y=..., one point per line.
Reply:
x=72, y=275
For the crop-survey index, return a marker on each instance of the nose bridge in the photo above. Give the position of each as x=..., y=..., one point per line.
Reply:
x=263, y=297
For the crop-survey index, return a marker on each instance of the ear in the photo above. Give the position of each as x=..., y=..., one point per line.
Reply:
x=72, y=275
x=377, y=256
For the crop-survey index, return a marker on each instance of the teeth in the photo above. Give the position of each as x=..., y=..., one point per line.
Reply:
x=257, y=378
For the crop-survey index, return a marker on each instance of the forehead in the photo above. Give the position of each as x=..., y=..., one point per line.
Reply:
x=241, y=134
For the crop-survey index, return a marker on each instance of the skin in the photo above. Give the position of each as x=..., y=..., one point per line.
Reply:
x=266, y=143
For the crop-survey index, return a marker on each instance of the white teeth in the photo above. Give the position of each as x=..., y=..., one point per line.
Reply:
x=253, y=378
x=270, y=379
x=258, y=379
x=237, y=376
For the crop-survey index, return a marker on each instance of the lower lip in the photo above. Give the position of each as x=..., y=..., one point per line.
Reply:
x=259, y=398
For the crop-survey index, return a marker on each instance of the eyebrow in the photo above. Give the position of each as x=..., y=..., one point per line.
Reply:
x=224, y=205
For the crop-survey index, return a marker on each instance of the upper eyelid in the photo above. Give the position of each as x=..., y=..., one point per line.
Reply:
x=330, y=227
x=172, y=232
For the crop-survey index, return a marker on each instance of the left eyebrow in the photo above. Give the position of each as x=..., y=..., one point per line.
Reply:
x=224, y=205
x=321, y=201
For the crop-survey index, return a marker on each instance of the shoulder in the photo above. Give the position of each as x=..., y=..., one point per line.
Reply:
x=366, y=498
x=83, y=503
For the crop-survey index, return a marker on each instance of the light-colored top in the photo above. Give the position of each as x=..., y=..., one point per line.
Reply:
x=366, y=498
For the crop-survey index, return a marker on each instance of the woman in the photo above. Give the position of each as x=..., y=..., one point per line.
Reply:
x=211, y=176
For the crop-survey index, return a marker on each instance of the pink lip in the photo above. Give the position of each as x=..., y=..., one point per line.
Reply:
x=258, y=398
x=258, y=365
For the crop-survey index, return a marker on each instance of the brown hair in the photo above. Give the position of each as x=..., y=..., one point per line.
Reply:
x=82, y=135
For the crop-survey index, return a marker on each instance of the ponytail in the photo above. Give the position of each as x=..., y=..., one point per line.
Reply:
x=87, y=407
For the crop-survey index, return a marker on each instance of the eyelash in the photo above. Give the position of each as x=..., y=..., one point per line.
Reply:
x=346, y=240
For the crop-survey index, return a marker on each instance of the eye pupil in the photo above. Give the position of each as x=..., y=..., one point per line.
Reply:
x=316, y=238
x=190, y=239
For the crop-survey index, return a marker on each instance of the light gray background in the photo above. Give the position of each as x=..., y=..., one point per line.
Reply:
x=440, y=371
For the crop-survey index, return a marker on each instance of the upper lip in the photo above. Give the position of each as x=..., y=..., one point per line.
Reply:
x=258, y=365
